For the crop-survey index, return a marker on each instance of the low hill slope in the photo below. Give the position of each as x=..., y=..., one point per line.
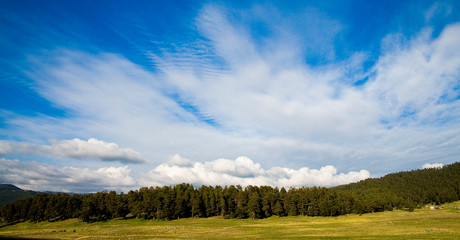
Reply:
x=10, y=193
x=434, y=185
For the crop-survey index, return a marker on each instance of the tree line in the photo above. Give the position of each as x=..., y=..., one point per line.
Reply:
x=404, y=190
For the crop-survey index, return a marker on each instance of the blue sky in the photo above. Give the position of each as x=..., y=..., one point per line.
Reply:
x=116, y=95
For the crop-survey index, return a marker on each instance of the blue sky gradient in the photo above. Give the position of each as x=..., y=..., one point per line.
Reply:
x=284, y=93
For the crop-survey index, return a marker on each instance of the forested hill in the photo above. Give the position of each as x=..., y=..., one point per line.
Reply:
x=404, y=190
x=10, y=193
x=433, y=185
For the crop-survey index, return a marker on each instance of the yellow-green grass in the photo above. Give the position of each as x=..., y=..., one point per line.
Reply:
x=420, y=224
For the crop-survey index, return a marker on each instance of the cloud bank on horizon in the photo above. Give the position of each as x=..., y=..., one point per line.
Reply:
x=432, y=165
x=45, y=177
x=243, y=171
x=224, y=172
x=308, y=93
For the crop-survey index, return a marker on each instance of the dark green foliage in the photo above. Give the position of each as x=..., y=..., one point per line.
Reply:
x=254, y=202
x=407, y=190
x=10, y=193
x=404, y=190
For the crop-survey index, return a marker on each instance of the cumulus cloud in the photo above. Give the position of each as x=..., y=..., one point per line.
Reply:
x=78, y=149
x=244, y=171
x=44, y=177
x=93, y=148
x=432, y=165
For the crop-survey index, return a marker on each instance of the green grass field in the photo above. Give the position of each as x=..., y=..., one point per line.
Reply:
x=420, y=224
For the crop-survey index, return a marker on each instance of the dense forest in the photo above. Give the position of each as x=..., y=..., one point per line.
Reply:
x=404, y=190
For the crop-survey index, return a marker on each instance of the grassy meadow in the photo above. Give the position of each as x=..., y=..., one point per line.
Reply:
x=420, y=224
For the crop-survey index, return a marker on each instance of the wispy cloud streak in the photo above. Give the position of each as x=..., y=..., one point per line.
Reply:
x=76, y=148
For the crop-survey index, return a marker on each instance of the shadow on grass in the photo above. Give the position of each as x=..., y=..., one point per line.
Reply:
x=16, y=238
x=6, y=225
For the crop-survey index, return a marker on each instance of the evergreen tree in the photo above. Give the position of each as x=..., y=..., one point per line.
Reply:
x=254, y=204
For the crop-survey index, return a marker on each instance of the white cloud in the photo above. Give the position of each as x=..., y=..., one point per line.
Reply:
x=177, y=160
x=44, y=177
x=243, y=171
x=268, y=105
x=432, y=165
x=93, y=148
x=5, y=148
x=230, y=41
x=441, y=9
x=78, y=149
x=418, y=80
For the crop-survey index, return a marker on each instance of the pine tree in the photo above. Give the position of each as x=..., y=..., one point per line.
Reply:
x=254, y=204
